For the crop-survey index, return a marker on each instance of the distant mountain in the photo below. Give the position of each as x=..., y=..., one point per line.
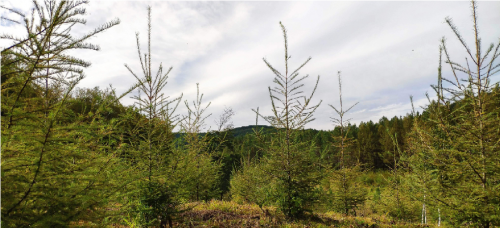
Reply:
x=241, y=131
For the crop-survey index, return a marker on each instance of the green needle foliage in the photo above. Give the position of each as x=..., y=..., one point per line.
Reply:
x=201, y=172
x=57, y=168
x=47, y=40
x=462, y=134
x=395, y=199
x=222, y=148
x=288, y=160
x=78, y=157
x=347, y=194
x=155, y=106
x=421, y=177
x=152, y=151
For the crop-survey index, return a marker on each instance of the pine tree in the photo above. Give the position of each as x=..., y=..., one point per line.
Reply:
x=348, y=194
x=462, y=134
x=288, y=160
x=153, y=149
x=155, y=105
x=200, y=172
x=56, y=167
x=368, y=144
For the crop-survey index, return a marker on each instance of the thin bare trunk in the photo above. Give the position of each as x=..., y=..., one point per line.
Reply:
x=439, y=217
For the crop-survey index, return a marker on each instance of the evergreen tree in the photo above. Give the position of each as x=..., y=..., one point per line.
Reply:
x=200, y=172
x=462, y=136
x=347, y=193
x=368, y=144
x=57, y=168
x=288, y=160
x=151, y=152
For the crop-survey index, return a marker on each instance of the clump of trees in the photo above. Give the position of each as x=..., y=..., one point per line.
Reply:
x=78, y=156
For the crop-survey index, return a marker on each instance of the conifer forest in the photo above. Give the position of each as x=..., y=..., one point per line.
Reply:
x=79, y=157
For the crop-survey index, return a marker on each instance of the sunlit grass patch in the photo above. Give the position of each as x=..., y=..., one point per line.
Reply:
x=227, y=206
x=231, y=214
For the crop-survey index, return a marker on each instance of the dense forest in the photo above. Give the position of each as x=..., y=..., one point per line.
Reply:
x=76, y=157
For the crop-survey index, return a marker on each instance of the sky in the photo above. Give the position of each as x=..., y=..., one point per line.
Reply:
x=386, y=51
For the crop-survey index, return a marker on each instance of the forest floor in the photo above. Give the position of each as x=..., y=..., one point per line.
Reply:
x=231, y=214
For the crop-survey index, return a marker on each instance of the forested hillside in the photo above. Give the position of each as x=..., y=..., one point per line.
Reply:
x=79, y=157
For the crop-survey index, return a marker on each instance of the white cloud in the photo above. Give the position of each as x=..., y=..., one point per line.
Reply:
x=386, y=50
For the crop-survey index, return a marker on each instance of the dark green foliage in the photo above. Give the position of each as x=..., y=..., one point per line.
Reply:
x=369, y=145
x=222, y=149
x=250, y=146
x=367, y=148
x=162, y=204
x=242, y=131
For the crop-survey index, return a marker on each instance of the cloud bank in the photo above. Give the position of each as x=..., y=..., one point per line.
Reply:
x=386, y=51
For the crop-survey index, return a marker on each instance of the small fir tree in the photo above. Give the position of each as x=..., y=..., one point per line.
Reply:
x=201, y=172
x=288, y=160
x=346, y=192
x=151, y=152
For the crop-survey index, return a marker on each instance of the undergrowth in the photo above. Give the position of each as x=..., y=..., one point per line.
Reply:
x=231, y=214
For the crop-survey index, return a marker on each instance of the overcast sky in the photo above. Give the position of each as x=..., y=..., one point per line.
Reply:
x=386, y=51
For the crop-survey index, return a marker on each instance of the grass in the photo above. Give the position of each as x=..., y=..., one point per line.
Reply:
x=230, y=214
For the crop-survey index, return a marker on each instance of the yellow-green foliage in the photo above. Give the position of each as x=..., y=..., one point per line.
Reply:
x=228, y=206
x=383, y=202
x=343, y=192
x=250, y=184
x=196, y=173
